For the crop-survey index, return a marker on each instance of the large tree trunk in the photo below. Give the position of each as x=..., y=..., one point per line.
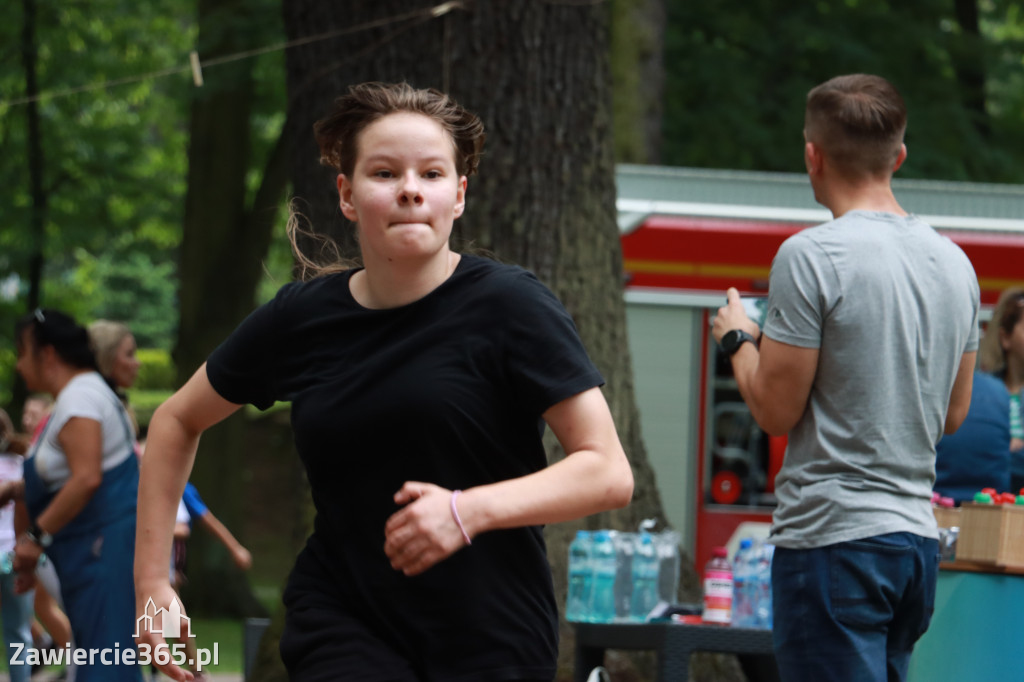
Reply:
x=638, y=76
x=29, y=57
x=223, y=244
x=537, y=74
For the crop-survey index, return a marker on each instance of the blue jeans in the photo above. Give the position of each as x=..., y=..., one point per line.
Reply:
x=17, y=612
x=852, y=611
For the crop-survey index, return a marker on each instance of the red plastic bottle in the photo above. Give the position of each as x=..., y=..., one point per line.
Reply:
x=718, y=588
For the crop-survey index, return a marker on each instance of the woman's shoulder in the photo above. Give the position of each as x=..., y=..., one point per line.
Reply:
x=302, y=299
x=311, y=289
x=508, y=289
x=485, y=270
x=86, y=393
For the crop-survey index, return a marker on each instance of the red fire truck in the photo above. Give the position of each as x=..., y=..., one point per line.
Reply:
x=688, y=235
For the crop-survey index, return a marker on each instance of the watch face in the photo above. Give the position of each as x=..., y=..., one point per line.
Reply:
x=730, y=341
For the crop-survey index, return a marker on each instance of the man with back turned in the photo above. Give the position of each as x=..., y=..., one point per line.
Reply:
x=865, y=361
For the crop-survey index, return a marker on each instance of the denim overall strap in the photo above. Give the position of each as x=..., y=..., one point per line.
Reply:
x=116, y=496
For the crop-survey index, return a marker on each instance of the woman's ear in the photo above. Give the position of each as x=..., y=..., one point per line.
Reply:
x=345, y=198
x=460, y=199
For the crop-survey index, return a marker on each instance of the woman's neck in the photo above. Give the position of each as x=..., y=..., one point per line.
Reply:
x=387, y=284
x=61, y=376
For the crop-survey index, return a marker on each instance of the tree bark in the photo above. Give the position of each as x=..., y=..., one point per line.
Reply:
x=36, y=164
x=537, y=74
x=223, y=244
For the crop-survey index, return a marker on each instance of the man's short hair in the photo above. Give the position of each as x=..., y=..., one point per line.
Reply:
x=858, y=121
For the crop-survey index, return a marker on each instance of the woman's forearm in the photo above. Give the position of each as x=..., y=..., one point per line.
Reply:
x=583, y=483
x=69, y=501
x=170, y=451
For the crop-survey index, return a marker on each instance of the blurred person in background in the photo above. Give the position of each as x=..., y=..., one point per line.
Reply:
x=51, y=628
x=1002, y=354
x=978, y=455
x=15, y=608
x=34, y=414
x=80, y=488
x=115, y=349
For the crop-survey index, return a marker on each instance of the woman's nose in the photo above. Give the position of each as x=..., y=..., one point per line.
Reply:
x=410, y=191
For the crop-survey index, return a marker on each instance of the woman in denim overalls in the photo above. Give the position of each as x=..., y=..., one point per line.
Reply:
x=80, y=489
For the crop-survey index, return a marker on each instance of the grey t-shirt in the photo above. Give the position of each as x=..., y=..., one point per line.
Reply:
x=892, y=306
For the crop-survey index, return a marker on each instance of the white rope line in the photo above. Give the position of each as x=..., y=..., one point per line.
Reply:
x=197, y=65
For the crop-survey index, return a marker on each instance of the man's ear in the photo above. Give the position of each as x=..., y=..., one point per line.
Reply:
x=900, y=158
x=812, y=158
x=345, y=198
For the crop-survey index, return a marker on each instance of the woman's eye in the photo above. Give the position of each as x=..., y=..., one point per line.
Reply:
x=432, y=174
x=382, y=174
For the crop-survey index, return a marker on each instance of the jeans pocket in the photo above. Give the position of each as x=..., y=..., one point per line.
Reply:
x=864, y=581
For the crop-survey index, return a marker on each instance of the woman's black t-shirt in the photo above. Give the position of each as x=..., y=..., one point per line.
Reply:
x=449, y=390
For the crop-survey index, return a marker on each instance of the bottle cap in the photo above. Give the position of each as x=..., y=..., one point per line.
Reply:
x=1020, y=500
x=583, y=533
x=719, y=552
x=982, y=498
x=745, y=543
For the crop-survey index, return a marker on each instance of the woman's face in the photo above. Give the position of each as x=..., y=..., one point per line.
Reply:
x=404, y=192
x=29, y=363
x=125, y=368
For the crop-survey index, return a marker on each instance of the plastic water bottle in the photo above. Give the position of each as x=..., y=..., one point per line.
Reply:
x=645, y=578
x=581, y=577
x=718, y=588
x=763, y=571
x=602, y=597
x=666, y=544
x=625, y=546
x=742, y=583
x=6, y=563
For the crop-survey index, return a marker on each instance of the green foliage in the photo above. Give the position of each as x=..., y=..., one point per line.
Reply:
x=156, y=369
x=145, y=402
x=737, y=73
x=113, y=158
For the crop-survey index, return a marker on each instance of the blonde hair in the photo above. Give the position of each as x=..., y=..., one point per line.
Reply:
x=106, y=336
x=1007, y=313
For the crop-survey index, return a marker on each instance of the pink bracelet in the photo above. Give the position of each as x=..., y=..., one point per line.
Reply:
x=458, y=521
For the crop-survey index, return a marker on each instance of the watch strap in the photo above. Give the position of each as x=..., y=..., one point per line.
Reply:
x=39, y=536
x=734, y=339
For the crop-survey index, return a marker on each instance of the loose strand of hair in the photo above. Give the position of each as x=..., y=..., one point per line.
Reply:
x=328, y=259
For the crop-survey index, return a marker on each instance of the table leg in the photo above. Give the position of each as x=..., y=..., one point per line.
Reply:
x=674, y=667
x=587, y=658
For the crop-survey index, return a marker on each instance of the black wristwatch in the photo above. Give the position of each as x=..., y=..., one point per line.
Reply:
x=39, y=536
x=733, y=339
